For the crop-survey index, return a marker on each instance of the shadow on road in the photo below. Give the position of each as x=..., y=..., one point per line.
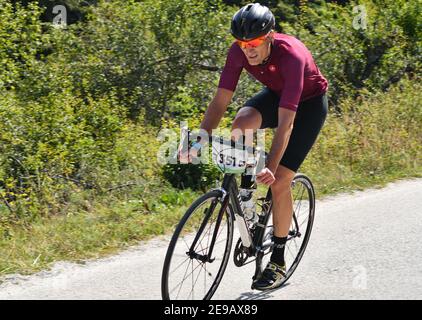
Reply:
x=259, y=295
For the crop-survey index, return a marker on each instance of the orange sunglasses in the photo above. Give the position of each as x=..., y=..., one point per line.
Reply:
x=252, y=43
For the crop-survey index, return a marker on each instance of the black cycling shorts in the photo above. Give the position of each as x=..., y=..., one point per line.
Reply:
x=310, y=117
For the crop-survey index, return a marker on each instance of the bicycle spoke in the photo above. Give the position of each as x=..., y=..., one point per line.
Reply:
x=205, y=279
x=199, y=273
x=184, y=277
x=188, y=246
x=195, y=277
x=200, y=240
x=302, y=190
x=297, y=211
x=192, y=281
x=289, y=246
x=180, y=288
x=294, y=241
x=209, y=238
x=298, y=205
x=179, y=265
x=288, y=249
x=303, y=222
x=217, y=242
x=212, y=226
x=208, y=230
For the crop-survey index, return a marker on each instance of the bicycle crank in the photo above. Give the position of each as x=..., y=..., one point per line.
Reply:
x=241, y=254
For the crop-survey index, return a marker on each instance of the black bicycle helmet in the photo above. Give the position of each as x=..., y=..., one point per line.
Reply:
x=252, y=21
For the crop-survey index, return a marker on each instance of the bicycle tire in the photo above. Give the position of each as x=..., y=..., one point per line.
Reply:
x=214, y=194
x=291, y=267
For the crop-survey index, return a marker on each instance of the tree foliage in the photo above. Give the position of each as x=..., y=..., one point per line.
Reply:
x=68, y=96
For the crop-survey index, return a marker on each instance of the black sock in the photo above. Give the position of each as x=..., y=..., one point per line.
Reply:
x=246, y=181
x=278, y=250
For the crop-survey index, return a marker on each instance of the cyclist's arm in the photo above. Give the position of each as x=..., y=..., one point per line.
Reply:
x=211, y=119
x=216, y=109
x=226, y=86
x=293, y=69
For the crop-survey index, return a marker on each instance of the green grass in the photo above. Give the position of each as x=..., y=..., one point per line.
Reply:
x=29, y=248
x=373, y=142
x=331, y=186
x=104, y=231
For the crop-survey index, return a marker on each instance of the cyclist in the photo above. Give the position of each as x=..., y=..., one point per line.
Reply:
x=293, y=101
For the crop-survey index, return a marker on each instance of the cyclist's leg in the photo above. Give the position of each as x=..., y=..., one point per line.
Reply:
x=259, y=112
x=308, y=123
x=282, y=201
x=246, y=118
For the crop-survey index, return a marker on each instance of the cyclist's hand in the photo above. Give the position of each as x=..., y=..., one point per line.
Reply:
x=184, y=157
x=187, y=156
x=265, y=177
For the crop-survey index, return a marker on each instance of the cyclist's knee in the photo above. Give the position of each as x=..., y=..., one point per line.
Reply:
x=247, y=118
x=282, y=184
x=240, y=122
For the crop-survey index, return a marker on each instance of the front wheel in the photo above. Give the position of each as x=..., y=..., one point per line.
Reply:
x=189, y=271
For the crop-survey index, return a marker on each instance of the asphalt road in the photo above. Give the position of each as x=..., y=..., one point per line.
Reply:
x=365, y=245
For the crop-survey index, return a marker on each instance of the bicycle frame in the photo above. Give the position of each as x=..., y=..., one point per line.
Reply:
x=231, y=197
x=255, y=238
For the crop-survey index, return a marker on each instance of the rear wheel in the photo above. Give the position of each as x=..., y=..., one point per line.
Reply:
x=189, y=273
x=303, y=195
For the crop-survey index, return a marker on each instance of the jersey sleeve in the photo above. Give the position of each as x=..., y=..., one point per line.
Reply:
x=232, y=69
x=293, y=69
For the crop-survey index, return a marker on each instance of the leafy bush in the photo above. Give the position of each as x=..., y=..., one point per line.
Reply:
x=357, y=57
x=72, y=99
x=43, y=144
x=20, y=42
x=142, y=50
x=196, y=177
x=377, y=135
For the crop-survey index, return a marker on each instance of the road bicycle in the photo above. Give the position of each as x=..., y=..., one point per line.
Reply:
x=200, y=247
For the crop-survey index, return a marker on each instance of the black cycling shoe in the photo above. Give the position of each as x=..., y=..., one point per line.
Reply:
x=272, y=277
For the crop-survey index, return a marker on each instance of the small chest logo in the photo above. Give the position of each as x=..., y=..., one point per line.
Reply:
x=271, y=67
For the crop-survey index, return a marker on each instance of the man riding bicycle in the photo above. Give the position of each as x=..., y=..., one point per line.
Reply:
x=293, y=100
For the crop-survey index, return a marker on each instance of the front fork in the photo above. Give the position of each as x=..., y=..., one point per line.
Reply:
x=207, y=257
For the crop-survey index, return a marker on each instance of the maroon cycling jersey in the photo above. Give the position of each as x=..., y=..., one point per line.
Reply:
x=290, y=71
